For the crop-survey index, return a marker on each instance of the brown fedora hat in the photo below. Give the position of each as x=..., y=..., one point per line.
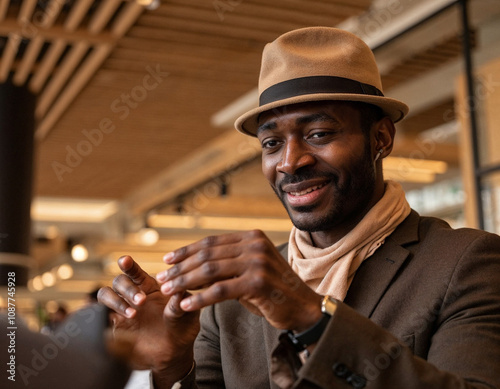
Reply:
x=317, y=64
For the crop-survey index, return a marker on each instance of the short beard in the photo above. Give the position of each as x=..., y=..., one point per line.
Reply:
x=361, y=184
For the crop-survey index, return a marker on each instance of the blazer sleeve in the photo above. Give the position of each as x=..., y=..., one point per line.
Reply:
x=464, y=350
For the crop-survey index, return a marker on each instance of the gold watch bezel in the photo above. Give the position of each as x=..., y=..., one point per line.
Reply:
x=328, y=305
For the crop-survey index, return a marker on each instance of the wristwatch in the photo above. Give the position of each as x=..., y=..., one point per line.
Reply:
x=310, y=336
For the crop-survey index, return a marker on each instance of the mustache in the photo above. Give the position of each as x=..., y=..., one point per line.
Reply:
x=306, y=175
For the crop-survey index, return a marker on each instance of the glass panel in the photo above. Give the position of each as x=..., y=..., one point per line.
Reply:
x=491, y=202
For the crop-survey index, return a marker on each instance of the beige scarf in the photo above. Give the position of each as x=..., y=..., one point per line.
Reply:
x=330, y=271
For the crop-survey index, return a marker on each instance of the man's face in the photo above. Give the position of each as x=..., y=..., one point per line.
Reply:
x=317, y=159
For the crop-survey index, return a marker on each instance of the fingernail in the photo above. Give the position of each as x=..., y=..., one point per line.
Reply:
x=167, y=287
x=186, y=304
x=161, y=276
x=138, y=298
x=129, y=312
x=168, y=257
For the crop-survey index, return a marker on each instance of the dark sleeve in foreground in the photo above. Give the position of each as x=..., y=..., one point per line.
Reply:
x=73, y=357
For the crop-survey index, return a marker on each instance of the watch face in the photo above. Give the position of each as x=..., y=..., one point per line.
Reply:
x=329, y=305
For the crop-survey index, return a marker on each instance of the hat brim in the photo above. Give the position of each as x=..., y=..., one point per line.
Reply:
x=394, y=109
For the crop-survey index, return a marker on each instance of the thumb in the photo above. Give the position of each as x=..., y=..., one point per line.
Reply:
x=173, y=310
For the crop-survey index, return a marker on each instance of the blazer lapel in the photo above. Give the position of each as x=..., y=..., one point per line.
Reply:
x=376, y=273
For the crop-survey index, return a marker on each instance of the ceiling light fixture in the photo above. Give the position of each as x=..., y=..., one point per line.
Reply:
x=147, y=236
x=65, y=272
x=79, y=253
x=220, y=223
x=72, y=210
x=150, y=5
x=37, y=283
x=48, y=279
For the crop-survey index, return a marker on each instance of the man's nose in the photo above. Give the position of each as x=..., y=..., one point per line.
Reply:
x=295, y=156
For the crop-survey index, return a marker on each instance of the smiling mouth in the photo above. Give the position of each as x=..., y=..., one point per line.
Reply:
x=308, y=190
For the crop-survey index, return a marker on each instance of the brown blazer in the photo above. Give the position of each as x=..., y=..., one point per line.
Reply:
x=422, y=312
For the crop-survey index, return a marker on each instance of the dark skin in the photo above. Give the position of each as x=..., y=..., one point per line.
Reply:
x=315, y=156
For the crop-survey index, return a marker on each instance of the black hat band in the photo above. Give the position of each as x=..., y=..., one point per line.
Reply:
x=316, y=84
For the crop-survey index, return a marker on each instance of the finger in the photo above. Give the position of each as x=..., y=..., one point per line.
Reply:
x=173, y=309
x=137, y=275
x=203, y=276
x=200, y=259
x=176, y=318
x=218, y=292
x=208, y=242
x=113, y=301
x=126, y=289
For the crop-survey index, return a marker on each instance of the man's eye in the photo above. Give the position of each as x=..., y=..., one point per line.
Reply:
x=268, y=144
x=319, y=134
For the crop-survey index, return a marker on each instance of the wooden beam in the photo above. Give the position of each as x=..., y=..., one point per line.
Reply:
x=76, y=84
x=87, y=70
x=10, y=26
x=49, y=61
x=102, y=15
x=52, y=12
x=65, y=71
x=26, y=11
x=28, y=60
x=415, y=148
x=4, y=5
x=225, y=152
x=8, y=55
x=36, y=44
x=126, y=19
x=77, y=13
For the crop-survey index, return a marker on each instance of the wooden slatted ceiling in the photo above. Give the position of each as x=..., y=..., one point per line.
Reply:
x=202, y=55
x=54, y=53
x=432, y=58
x=206, y=57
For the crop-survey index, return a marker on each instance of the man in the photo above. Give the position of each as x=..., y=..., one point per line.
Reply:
x=370, y=293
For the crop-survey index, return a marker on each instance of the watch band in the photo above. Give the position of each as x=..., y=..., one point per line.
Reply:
x=310, y=336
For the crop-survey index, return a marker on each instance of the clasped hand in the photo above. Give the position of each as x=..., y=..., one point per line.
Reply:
x=165, y=317
x=244, y=266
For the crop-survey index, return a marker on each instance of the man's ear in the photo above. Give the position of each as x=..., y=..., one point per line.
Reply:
x=383, y=134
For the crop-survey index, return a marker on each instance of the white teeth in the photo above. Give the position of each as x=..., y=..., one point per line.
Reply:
x=308, y=190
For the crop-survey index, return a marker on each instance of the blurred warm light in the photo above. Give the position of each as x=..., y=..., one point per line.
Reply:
x=220, y=223
x=172, y=221
x=149, y=4
x=51, y=306
x=413, y=169
x=147, y=236
x=48, y=279
x=72, y=210
x=79, y=253
x=65, y=272
x=244, y=224
x=37, y=283
x=52, y=232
